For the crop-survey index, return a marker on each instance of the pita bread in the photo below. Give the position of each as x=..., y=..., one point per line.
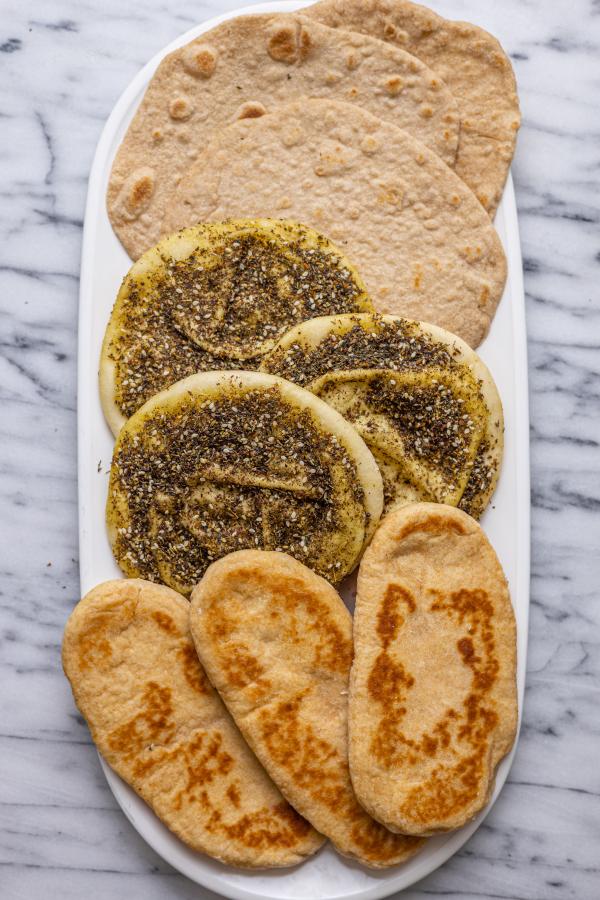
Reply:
x=472, y=63
x=224, y=461
x=418, y=236
x=217, y=296
x=421, y=399
x=157, y=721
x=276, y=641
x=244, y=67
x=433, y=702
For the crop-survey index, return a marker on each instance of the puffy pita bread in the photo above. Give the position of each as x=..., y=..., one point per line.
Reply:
x=157, y=721
x=222, y=461
x=421, y=399
x=418, y=236
x=472, y=63
x=217, y=296
x=433, y=703
x=240, y=69
x=276, y=641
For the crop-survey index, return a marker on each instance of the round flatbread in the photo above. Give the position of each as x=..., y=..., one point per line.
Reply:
x=217, y=296
x=225, y=461
x=433, y=698
x=472, y=63
x=239, y=70
x=419, y=237
x=276, y=641
x=422, y=400
x=159, y=723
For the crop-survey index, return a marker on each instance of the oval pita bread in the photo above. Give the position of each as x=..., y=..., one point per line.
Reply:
x=276, y=641
x=418, y=236
x=433, y=701
x=244, y=67
x=223, y=461
x=156, y=720
x=421, y=399
x=472, y=63
x=217, y=296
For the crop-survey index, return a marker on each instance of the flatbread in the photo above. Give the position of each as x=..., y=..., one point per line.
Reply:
x=420, y=239
x=224, y=461
x=217, y=296
x=433, y=701
x=472, y=63
x=276, y=641
x=244, y=67
x=421, y=399
x=157, y=721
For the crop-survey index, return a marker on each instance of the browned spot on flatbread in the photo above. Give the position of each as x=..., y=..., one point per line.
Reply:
x=389, y=617
x=279, y=826
x=164, y=622
x=233, y=794
x=450, y=786
x=437, y=525
x=192, y=670
x=153, y=725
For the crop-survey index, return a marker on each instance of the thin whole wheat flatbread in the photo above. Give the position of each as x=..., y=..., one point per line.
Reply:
x=276, y=641
x=239, y=69
x=433, y=700
x=157, y=721
x=422, y=242
x=472, y=63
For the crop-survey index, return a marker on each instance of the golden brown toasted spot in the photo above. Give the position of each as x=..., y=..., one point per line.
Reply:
x=141, y=192
x=200, y=60
x=192, y=670
x=205, y=761
x=278, y=826
x=154, y=724
x=389, y=617
x=241, y=667
x=282, y=44
x=180, y=108
x=394, y=85
x=433, y=524
x=233, y=794
x=252, y=109
x=164, y=622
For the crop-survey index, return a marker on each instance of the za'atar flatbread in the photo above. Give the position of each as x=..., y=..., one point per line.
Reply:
x=239, y=70
x=224, y=461
x=422, y=400
x=419, y=237
x=472, y=63
x=217, y=296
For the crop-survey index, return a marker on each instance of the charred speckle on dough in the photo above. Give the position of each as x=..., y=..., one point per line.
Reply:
x=222, y=307
x=183, y=513
x=437, y=417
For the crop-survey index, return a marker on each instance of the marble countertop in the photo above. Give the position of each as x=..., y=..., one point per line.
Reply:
x=63, y=65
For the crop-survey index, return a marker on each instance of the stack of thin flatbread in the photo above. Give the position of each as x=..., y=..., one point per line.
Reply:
x=385, y=127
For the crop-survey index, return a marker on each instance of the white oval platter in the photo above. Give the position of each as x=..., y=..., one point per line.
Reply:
x=104, y=263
